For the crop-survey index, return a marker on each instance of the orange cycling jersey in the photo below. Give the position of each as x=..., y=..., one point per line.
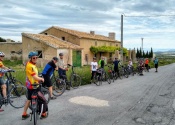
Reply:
x=1, y=65
x=147, y=61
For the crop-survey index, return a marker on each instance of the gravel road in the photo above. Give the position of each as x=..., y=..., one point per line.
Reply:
x=137, y=100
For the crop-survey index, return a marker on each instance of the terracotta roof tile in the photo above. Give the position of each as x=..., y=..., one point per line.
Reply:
x=51, y=41
x=83, y=34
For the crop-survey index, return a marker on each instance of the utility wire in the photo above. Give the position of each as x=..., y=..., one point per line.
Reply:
x=151, y=16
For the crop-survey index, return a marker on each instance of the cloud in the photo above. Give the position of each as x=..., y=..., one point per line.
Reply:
x=100, y=16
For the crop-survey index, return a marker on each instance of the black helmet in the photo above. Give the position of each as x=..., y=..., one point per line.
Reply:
x=55, y=58
x=61, y=54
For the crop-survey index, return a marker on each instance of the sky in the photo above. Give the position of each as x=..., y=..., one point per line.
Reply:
x=152, y=20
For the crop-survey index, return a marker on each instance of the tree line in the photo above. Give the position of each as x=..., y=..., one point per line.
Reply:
x=143, y=54
x=2, y=40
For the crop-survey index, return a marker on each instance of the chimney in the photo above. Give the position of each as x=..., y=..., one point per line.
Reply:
x=92, y=32
x=112, y=35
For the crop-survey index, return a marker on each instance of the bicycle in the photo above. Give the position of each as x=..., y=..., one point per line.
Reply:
x=112, y=75
x=97, y=79
x=36, y=100
x=75, y=79
x=58, y=85
x=15, y=92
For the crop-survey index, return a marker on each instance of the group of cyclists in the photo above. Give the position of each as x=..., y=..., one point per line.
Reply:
x=32, y=77
x=56, y=63
x=142, y=63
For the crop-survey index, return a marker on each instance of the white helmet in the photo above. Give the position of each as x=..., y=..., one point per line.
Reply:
x=2, y=54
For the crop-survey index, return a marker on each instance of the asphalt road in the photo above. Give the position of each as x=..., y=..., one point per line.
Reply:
x=137, y=100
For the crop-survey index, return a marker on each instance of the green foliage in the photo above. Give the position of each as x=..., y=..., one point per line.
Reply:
x=12, y=63
x=95, y=50
x=110, y=49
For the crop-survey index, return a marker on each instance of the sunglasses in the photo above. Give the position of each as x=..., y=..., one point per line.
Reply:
x=34, y=57
x=1, y=56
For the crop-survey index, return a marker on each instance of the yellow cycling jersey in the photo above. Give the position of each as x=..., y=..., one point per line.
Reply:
x=1, y=65
x=31, y=70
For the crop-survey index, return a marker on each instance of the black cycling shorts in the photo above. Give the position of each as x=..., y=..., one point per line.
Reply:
x=47, y=80
x=29, y=93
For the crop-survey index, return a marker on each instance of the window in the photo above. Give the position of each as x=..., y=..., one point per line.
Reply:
x=40, y=55
x=95, y=43
x=63, y=38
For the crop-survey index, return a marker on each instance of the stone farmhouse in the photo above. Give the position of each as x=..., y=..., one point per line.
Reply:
x=74, y=44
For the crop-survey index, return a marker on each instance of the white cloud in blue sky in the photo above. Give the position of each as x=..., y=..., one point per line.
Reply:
x=101, y=16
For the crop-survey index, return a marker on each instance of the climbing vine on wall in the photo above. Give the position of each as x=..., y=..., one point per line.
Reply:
x=110, y=49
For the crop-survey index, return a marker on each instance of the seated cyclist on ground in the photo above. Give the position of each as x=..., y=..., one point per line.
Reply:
x=47, y=72
x=2, y=82
x=31, y=78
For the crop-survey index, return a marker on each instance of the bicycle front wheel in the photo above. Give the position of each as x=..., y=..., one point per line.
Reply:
x=75, y=81
x=17, y=96
x=35, y=116
x=59, y=87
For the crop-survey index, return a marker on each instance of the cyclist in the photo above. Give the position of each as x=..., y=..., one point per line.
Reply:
x=146, y=64
x=116, y=63
x=94, y=67
x=31, y=78
x=47, y=72
x=62, y=70
x=2, y=82
x=156, y=61
x=101, y=62
x=141, y=66
x=130, y=63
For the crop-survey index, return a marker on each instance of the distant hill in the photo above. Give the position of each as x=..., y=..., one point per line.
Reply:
x=167, y=53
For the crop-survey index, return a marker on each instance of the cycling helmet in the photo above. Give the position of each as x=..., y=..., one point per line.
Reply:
x=55, y=58
x=32, y=54
x=2, y=54
x=61, y=54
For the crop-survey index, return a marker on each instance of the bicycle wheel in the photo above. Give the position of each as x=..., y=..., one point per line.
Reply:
x=17, y=96
x=59, y=87
x=35, y=116
x=75, y=81
x=121, y=74
x=108, y=79
x=111, y=76
x=46, y=94
x=115, y=75
x=97, y=80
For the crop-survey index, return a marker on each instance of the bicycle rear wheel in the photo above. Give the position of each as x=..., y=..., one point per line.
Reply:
x=96, y=80
x=75, y=81
x=17, y=96
x=108, y=79
x=46, y=94
x=59, y=87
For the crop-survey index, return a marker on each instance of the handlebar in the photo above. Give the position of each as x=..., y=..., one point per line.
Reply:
x=70, y=65
x=6, y=70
